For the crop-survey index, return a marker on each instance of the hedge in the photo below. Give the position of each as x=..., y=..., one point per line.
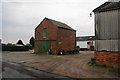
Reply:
x=16, y=48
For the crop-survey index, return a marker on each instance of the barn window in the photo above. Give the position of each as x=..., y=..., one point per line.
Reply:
x=44, y=32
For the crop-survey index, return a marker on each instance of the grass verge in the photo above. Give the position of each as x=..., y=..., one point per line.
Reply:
x=115, y=69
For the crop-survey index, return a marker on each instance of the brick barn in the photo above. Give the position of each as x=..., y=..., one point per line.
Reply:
x=55, y=36
x=107, y=32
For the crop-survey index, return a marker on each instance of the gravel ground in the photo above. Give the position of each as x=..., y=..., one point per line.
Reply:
x=75, y=66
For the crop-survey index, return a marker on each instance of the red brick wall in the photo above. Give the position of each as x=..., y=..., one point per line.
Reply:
x=66, y=39
x=36, y=46
x=53, y=46
x=51, y=31
x=108, y=58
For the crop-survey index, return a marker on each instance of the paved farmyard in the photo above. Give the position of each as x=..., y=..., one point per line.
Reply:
x=75, y=66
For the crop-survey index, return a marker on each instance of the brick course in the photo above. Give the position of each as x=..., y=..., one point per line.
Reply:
x=108, y=58
x=66, y=39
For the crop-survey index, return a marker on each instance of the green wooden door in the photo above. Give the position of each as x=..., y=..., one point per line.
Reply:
x=44, y=46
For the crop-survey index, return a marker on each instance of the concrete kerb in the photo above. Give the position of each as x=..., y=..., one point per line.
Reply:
x=34, y=72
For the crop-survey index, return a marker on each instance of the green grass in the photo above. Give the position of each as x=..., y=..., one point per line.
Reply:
x=115, y=69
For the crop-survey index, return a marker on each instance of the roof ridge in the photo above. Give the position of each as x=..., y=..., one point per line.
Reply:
x=56, y=21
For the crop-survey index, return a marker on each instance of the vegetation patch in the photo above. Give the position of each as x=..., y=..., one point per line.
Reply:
x=16, y=48
x=115, y=69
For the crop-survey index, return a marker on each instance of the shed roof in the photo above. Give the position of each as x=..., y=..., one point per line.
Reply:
x=85, y=38
x=60, y=24
x=108, y=6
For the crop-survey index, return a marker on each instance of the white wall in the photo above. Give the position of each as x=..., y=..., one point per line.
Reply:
x=83, y=44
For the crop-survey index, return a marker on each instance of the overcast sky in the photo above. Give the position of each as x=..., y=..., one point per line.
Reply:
x=20, y=18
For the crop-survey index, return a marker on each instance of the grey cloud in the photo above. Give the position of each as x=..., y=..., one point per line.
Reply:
x=21, y=17
x=113, y=0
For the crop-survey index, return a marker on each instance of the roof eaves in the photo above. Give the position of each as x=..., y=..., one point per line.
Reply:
x=107, y=6
x=104, y=4
x=67, y=28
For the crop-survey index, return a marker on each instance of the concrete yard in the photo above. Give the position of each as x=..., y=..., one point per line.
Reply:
x=75, y=66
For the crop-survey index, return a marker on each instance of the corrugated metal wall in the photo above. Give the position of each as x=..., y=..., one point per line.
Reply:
x=107, y=30
x=119, y=30
x=109, y=45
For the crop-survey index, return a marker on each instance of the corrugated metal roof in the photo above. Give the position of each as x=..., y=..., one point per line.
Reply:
x=85, y=38
x=60, y=24
x=113, y=0
x=107, y=6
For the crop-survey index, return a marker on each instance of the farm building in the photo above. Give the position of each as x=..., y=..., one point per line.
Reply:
x=54, y=36
x=0, y=42
x=86, y=42
x=107, y=32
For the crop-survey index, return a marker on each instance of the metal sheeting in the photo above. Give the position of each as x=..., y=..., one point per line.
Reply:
x=107, y=30
x=107, y=25
x=119, y=30
x=108, y=45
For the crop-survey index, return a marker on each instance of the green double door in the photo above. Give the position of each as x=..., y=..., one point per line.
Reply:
x=44, y=46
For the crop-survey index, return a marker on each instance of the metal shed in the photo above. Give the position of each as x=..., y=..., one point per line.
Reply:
x=107, y=32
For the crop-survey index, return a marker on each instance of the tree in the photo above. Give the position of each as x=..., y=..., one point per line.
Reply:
x=20, y=42
x=32, y=41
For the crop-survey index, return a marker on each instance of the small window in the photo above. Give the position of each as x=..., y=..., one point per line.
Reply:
x=44, y=32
